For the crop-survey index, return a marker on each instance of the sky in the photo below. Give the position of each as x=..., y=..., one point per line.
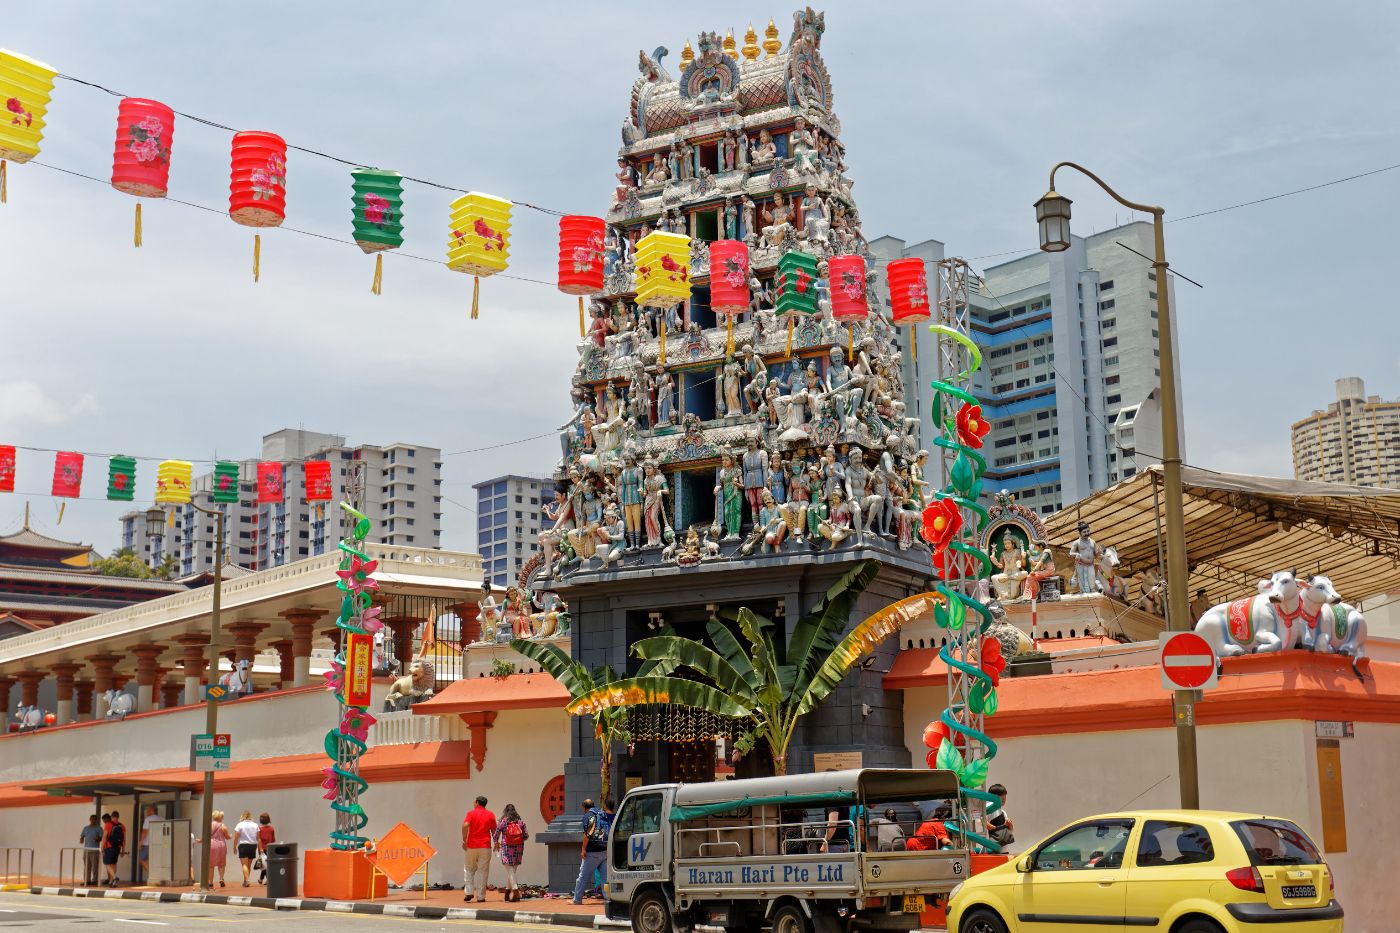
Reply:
x=952, y=116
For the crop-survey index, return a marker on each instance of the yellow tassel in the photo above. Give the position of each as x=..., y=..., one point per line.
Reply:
x=914, y=346
x=170, y=519
x=476, y=295
x=791, y=321
x=661, y=357
x=62, y=506
x=137, y=237
x=850, y=345
x=378, y=282
x=2, y=181
x=257, y=253
x=581, y=331
x=729, y=335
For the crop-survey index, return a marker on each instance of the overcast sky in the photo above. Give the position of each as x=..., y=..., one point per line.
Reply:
x=952, y=113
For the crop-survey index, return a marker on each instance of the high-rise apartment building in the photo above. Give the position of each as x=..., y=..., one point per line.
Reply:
x=509, y=517
x=1356, y=440
x=399, y=488
x=1071, y=365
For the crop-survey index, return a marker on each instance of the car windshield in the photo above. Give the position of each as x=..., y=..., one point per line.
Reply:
x=1276, y=842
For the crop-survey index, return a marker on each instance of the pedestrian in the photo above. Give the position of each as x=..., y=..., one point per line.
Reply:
x=594, y=852
x=1000, y=822
x=143, y=853
x=114, y=848
x=478, y=831
x=510, y=838
x=91, y=838
x=245, y=832
x=266, y=837
x=218, y=847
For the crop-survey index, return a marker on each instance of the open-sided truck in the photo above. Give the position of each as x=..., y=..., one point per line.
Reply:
x=750, y=853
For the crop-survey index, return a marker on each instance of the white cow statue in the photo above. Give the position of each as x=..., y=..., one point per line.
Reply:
x=1254, y=624
x=29, y=718
x=1106, y=575
x=1338, y=627
x=119, y=704
x=238, y=680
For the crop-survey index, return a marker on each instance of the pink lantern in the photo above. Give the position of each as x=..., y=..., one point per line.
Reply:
x=141, y=162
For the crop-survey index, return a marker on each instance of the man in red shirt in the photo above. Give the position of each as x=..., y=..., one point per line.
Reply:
x=478, y=839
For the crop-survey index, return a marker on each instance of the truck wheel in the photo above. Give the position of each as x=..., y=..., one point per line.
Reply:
x=982, y=921
x=790, y=919
x=650, y=914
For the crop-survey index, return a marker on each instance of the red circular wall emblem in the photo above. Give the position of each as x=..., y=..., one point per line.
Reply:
x=552, y=799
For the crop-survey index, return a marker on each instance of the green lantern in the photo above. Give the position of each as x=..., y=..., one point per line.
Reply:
x=377, y=204
x=796, y=289
x=226, y=481
x=121, y=479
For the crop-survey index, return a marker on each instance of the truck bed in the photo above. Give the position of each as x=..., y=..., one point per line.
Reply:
x=831, y=875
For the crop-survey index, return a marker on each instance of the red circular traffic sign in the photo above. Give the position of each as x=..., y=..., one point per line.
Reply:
x=1188, y=662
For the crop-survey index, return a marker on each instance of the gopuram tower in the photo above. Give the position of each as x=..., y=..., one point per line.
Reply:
x=715, y=463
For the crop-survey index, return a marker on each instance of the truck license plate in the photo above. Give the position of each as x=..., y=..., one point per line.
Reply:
x=913, y=904
x=1299, y=890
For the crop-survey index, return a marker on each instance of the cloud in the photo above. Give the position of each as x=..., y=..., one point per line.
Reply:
x=24, y=402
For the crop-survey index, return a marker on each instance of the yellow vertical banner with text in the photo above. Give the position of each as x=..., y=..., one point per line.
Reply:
x=359, y=669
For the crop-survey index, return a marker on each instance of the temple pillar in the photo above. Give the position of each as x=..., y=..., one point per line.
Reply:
x=194, y=662
x=63, y=673
x=333, y=633
x=146, y=656
x=403, y=628
x=286, y=664
x=102, y=681
x=29, y=687
x=7, y=683
x=303, y=624
x=171, y=689
x=83, y=691
x=469, y=614
x=245, y=645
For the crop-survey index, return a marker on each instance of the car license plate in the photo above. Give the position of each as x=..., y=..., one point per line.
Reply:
x=1299, y=890
x=913, y=904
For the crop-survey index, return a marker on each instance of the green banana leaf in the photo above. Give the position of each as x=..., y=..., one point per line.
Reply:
x=661, y=691
x=697, y=657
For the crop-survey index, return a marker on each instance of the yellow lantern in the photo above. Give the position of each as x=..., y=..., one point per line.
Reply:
x=479, y=243
x=25, y=86
x=173, y=479
x=663, y=274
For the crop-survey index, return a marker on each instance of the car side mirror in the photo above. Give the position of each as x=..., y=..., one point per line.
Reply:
x=1023, y=864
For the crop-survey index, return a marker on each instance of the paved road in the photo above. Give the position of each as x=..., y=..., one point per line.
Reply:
x=62, y=914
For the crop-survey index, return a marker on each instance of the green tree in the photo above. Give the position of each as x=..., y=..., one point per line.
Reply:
x=753, y=680
x=123, y=562
x=169, y=568
x=610, y=724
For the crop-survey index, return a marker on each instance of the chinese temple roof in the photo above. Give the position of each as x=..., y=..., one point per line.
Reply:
x=29, y=548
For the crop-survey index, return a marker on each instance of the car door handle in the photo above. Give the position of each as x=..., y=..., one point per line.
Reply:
x=1105, y=884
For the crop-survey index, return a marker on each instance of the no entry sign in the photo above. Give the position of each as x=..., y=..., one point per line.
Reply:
x=1187, y=661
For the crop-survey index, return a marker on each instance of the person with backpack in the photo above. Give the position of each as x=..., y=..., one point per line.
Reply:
x=594, y=854
x=113, y=847
x=510, y=840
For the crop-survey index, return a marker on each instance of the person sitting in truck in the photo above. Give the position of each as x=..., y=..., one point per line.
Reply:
x=838, y=831
x=887, y=829
x=932, y=833
x=794, y=842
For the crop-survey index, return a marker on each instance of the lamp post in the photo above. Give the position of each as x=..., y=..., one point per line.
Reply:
x=211, y=705
x=1052, y=214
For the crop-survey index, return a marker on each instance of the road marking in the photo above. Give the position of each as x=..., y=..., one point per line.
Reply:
x=153, y=923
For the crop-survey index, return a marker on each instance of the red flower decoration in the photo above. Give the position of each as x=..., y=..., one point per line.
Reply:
x=971, y=426
x=941, y=523
x=357, y=576
x=990, y=659
x=482, y=229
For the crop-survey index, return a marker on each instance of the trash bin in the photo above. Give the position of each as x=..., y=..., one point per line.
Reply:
x=282, y=862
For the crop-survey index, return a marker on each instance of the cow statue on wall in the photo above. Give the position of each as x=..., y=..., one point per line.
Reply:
x=1254, y=624
x=1336, y=627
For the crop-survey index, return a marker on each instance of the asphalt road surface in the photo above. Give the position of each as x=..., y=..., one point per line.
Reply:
x=62, y=914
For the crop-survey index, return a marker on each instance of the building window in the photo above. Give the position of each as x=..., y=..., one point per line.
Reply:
x=1111, y=381
x=1113, y=400
x=1152, y=296
x=1110, y=342
x=1110, y=361
x=1106, y=305
x=1105, y=286
x=1038, y=342
x=1021, y=346
x=1108, y=323
x=519, y=499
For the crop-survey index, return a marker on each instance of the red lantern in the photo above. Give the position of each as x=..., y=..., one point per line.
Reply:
x=729, y=282
x=258, y=184
x=581, y=258
x=269, y=482
x=141, y=162
x=7, y=468
x=908, y=291
x=68, y=475
x=317, y=474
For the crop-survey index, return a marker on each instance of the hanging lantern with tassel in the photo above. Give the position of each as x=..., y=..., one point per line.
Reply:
x=121, y=479
x=581, y=259
x=479, y=241
x=797, y=289
x=729, y=284
x=258, y=184
x=173, y=479
x=317, y=476
x=67, y=474
x=846, y=284
x=663, y=275
x=25, y=86
x=269, y=482
x=909, y=304
x=377, y=204
x=141, y=163
x=225, y=482
x=7, y=468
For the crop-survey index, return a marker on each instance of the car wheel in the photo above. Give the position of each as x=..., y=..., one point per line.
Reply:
x=790, y=919
x=650, y=914
x=982, y=920
x=1199, y=925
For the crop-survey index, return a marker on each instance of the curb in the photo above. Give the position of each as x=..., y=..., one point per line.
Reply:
x=412, y=911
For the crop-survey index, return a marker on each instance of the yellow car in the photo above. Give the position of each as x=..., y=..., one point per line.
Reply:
x=1174, y=871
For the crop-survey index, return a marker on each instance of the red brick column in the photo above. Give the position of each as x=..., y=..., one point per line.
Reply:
x=29, y=687
x=171, y=690
x=194, y=662
x=333, y=634
x=403, y=628
x=64, y=673
x=83, y=690
x=286, y=665
x=7, y=683
x=103, y=680
x=470, y=614
x=303, y=624
x=146, y=656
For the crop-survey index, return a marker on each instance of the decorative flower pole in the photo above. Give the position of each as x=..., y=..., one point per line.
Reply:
x=349, y=679
x=951, y=524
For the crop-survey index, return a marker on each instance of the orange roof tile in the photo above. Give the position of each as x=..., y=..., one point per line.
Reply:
x=489, y=694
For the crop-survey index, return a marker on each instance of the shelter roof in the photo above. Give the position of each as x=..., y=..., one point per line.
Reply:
x=1241, y=528
x=481, y=694
x=28, y=537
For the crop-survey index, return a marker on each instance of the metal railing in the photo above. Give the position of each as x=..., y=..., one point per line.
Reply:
x=12, y=872
x=72, y=861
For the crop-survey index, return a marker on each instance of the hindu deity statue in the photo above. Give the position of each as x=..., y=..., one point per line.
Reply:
x=654, y=490
x=1085, y=554
x=729, y=496
x=770, y=521
x=777, y=220
x=629, y=496
x=837, y=525
x=755, y=469
x=610, y=538
x=665, y=398
x=765, y=150
x=841, y=384
x=1042, y=569
x=802, y=145
x=1012, y=564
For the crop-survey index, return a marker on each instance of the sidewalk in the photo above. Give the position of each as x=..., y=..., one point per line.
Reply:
x=438, y=905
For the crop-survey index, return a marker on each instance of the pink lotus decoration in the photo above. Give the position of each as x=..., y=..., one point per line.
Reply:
x=335, y=677
x=358, y=576
x=356, y=723
x=331, y=783
x=370, y=621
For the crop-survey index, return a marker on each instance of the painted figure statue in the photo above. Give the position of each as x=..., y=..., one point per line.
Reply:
x=1012, y=564
x=1042, y=569
x=755, y=467
x=729, y=497
x=654, y=489
x=1336, y=627
x=1253, y=624
x=629, y=496
x=1085, y=554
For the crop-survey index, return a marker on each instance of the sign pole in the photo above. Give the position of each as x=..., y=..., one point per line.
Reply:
x=211, y=705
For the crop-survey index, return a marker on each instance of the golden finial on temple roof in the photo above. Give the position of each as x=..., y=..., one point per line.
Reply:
x=771, y=45
x=728, y=45
x=750, y=48
x=687, y=55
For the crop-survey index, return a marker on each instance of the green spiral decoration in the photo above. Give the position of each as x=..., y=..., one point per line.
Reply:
x=342, y=748
x=965, y=619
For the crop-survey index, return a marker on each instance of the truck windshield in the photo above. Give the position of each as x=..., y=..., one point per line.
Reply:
x=640, y=814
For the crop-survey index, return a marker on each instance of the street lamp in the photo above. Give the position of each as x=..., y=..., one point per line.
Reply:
x=1052, y=216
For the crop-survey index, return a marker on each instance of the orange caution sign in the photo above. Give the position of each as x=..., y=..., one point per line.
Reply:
x=401, y=853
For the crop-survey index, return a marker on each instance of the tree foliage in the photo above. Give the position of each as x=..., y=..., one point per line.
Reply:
x=123, y=562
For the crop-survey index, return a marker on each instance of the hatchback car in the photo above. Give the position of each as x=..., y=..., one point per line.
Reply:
x=1188, y=871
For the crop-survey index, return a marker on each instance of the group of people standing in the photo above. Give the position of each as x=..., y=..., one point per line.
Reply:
x=251, y=839
x=104, y=840
x=483, y=834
